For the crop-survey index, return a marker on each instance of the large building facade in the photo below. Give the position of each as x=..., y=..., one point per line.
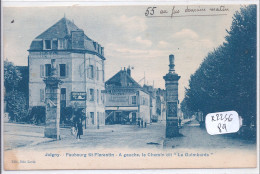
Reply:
x=80, y=64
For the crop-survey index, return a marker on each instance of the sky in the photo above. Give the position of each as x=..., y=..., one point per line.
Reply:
x=129, y=37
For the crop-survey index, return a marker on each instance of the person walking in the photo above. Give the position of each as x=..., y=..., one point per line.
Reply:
x=179, y=122
x=79, y=128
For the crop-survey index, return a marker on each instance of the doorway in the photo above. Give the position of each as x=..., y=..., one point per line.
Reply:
x=118, y=118
x=134, y=118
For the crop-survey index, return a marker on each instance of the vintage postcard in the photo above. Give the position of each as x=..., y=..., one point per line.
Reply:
x=157, y=86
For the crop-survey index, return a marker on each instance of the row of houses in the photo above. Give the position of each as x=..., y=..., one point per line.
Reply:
x=128, y=102
x=80, y=64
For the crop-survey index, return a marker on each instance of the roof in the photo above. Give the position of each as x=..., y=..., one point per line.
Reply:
x=122, y=79
x=61, y=29
x=74, y=36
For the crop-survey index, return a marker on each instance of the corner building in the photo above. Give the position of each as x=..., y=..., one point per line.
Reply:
x=80, y=65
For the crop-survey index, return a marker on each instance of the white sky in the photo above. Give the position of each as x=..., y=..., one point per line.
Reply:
x=128, y=36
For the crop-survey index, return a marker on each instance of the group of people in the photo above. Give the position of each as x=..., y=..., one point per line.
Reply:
x=141, y=123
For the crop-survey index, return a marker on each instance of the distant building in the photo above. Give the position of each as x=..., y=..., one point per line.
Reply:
x=161, y=104
x=126, y=101
x=152, y=93
x=80, y=65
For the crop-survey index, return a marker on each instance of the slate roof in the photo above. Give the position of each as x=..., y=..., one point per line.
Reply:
x=122, y=79
x=63, y=30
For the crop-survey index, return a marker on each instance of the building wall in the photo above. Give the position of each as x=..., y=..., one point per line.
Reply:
x=144, y=105
x=153, y=106
x=120, y=100
x=36, y=62
x=123, y=102
x=163, y=111
x=77, y=79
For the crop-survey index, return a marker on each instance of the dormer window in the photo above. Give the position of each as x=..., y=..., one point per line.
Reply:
x=47, y=44
x=61, y=44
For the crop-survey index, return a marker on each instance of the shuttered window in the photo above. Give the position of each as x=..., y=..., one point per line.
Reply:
x=61, y=44
x=47, y=70
x=97, y=73
x=42, y=70
x=91, y=94
x=97, y=96
x=91, y=71
x=92, y=117
x=63, y=71
x=63, y=94
x=134, y=100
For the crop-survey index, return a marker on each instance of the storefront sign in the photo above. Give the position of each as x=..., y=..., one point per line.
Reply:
x=78, y=96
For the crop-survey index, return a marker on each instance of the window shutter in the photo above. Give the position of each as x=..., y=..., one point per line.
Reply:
x=67, y=70
x=58, y=70
x=88, y=71
x=130, y=100
x=87, y=117
x=103, y=74
x=42, y=70
x=94, y=72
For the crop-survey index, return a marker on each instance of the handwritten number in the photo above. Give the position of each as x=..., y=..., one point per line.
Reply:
x=152, y=11
x=222, y=127
x=149, y=11
x=219, y=127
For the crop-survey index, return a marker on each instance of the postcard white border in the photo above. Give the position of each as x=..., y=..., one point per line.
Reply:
x=30, y=3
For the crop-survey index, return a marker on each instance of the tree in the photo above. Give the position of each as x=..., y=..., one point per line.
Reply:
x=226, y=79
x=16, y=103
x=11, y=76
x=16, y=106
x=187, y=113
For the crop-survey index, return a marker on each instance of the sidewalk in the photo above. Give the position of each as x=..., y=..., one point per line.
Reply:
x=185, y=121
x=32, y=137
x=20, y=135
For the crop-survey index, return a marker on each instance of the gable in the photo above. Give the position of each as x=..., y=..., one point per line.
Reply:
x=122, y=79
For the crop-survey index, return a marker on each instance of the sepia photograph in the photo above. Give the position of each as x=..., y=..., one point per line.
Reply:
x=173, y=86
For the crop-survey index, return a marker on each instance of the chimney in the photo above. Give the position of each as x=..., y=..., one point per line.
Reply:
x=128, y=71
x=123, y=78
x=77, y=39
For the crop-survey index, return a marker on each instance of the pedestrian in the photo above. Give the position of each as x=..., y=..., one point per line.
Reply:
x=74, y=120
x=79, y=128
x=179, y=122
